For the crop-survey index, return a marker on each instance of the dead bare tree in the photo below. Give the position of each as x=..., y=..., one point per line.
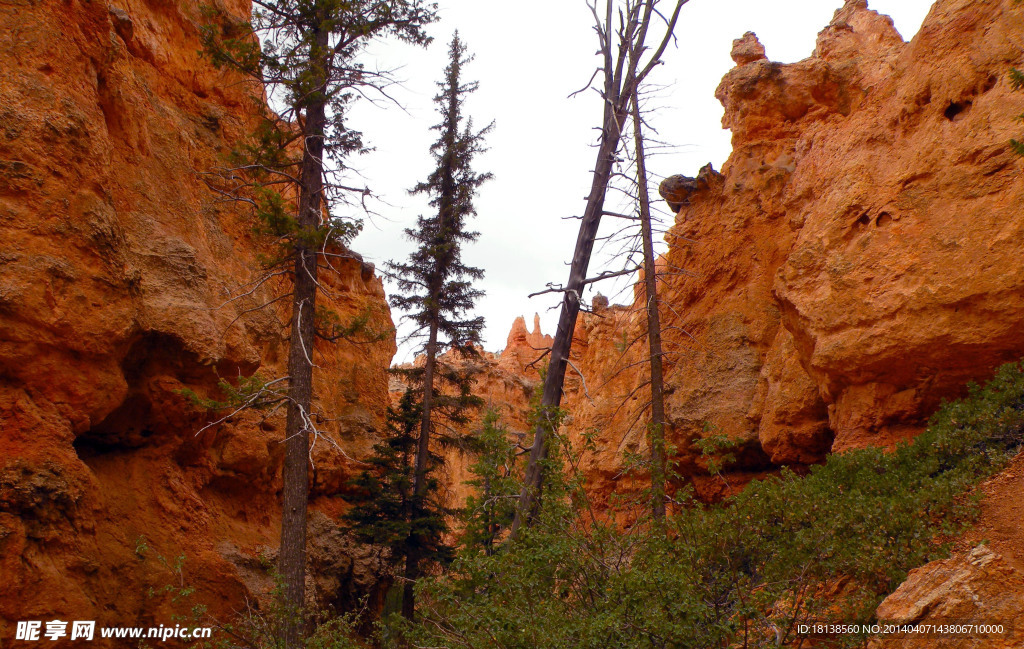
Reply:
x=623, y=69
x=658, y=421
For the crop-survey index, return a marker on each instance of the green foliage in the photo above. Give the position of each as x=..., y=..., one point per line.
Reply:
x=251, y=392
x=715, y=449
x=453, y=402
x=177, y=589
x=497, y=482
x=276, y=221
x=358, y=330
x=141, y=547
x=1016, y=79
x=384, y=511
x=828, y=546
x=255, y=628
x=303, y=55
x=260, y=628
x=435, y=287
x=1017, y=82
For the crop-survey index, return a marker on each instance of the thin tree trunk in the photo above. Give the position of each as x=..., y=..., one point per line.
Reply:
x=419, y=484
x=551, y=398
x=657, y=426
x=295, y=472
x=489, y=518
x=622, y=73
x=412, y=569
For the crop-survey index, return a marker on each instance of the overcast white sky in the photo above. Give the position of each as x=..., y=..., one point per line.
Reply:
x=530, y=55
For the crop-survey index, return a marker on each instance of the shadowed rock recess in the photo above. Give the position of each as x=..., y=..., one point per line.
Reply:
x=858, y=259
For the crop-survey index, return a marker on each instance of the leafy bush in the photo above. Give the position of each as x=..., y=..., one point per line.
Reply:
x=828, y=546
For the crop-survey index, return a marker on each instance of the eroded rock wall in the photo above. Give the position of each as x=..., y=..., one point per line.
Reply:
x=505, y=383
x=116, y=268
x=857, y=260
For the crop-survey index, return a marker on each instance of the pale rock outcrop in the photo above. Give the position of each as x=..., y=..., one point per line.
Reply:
x=975, y=591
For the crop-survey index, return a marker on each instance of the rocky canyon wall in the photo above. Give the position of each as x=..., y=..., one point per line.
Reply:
x=117, y=264
x=857, y=260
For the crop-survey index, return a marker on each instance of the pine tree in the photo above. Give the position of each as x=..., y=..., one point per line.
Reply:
x=384, y=512
x=436, y=288
x=303, y=54
x=497, y=483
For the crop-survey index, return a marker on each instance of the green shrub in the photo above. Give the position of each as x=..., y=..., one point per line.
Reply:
x=827, y=547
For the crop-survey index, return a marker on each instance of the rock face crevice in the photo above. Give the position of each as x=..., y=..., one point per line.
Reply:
x=116, y=270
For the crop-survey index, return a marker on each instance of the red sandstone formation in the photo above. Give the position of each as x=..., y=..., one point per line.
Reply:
x=524, y=350
x=506, y=382
x=115, y=268
x=857, y=260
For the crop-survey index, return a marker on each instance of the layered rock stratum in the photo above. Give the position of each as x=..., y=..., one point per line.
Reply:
x=123, y=281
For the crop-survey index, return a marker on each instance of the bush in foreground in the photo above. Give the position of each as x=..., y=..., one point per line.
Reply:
x=828, y=547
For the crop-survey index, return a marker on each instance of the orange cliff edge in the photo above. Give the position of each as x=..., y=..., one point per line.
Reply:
x=116, y=269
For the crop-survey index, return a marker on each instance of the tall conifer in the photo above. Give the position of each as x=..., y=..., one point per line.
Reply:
x=436, y=290
x=304, y=54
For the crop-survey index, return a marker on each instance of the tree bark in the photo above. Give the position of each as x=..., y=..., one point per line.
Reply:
x=551, y=398
x=657, y=426
x=622, y=74
x=412, y=568
x=295, y=472
x=419, y=487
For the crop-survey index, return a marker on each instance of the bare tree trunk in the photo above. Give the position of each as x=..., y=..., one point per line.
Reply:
x=295, y=472
x=551, y=398
x=657, y=426
x=622, y=74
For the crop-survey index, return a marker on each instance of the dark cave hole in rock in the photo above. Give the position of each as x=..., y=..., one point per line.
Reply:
x=155, y=366
x=883, y=219
x=957, y=109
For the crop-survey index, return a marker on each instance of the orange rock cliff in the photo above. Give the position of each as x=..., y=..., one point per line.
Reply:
x=116, y=267
x=857, y=260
